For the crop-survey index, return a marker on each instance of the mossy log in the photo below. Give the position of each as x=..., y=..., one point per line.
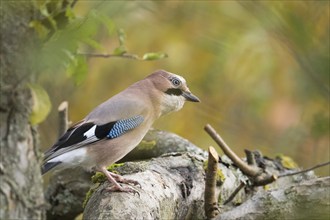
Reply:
x=173, y=183
x=171, y=187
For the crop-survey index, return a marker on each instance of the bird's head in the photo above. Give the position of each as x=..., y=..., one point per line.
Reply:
x=173, y=89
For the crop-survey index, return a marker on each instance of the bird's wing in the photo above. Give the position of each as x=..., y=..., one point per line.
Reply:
x=87, y=132
x=125, y=104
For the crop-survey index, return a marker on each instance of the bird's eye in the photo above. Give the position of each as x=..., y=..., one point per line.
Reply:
x=175, y=81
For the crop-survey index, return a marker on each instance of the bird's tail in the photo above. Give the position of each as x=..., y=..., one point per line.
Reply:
x=48, y=166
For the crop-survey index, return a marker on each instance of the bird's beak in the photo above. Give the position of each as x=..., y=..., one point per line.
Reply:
x=190, y=97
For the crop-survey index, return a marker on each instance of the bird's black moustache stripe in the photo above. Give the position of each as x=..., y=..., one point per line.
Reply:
x=176, y=92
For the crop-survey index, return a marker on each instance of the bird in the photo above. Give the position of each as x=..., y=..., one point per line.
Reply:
x=117, y=126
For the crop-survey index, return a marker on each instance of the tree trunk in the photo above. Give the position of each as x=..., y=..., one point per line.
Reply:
x=21, y=194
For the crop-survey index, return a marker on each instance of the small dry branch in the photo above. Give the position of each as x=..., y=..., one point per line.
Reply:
x=211, y=204
x=257, y=176
x=63, y=120
x=106, y=55
x=251, y=160
x=232, y=196
x=245, y=168
x=306, y=170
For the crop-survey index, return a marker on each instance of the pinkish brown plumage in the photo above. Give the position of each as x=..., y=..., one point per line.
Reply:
x=116, y=126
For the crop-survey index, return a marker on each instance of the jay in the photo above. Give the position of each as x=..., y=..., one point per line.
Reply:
x=116, y=127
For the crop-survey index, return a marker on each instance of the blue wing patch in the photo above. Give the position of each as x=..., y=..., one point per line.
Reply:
x=124, y=125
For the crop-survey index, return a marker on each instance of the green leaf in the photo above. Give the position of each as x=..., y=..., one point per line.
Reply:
x=41, y=104
x=39, y=28
x=121, y=37
x=119, y=50
x=94, y=44
x=107, y=22
x=77, y=69
x=154, y=56
x=69, y=13
x=43, y=10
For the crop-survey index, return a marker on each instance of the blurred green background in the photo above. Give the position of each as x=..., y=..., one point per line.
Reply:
x=261, y=70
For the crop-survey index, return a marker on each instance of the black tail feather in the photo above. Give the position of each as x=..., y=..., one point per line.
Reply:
x=48, y=166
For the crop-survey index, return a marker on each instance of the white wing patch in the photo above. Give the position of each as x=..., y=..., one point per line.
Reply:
x=90, y=132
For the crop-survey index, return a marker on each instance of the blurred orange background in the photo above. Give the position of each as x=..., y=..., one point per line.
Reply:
x=261, y=70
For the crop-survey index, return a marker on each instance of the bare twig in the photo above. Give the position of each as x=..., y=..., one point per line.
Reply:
x=304, y=171
x=251, y=160
x=263, y=179
x=211, y=204
x=246, y=169
x=125, y=55
x=63, y=118
x=232, y=196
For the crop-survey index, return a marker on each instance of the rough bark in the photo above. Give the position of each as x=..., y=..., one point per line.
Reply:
x=308, y=199
x=157, y=143
x=66, y=192
x=21, y=195
x=172, y=187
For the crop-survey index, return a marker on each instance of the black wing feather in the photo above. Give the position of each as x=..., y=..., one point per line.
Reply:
x=83, y=134
x=72, y=136
x=102, y=131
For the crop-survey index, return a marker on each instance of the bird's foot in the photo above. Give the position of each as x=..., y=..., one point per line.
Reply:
x=113, y=178
x=121, y=179
x=118, y=188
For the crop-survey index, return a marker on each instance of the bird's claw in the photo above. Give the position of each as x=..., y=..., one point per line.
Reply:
x=127, y=181
x=119, y=188
x=134, y=182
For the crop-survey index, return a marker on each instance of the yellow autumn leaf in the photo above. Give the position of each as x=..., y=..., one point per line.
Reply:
x=41, y=104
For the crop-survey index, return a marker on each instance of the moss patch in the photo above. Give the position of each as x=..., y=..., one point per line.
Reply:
x=287, y=162
x=147, y=145
x=220, y=177
x=99, y=177
x=90, y=193
x=113, y=167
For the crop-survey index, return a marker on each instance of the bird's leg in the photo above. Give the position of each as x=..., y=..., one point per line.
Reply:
x=122, y=179
x=116, y=187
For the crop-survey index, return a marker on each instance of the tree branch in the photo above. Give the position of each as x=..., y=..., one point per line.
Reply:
x=306, y=170
x=211, y=204
x=232, y=196
x=125, y=55
x=256, y=175
x=63, y=118
x=246, y=169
